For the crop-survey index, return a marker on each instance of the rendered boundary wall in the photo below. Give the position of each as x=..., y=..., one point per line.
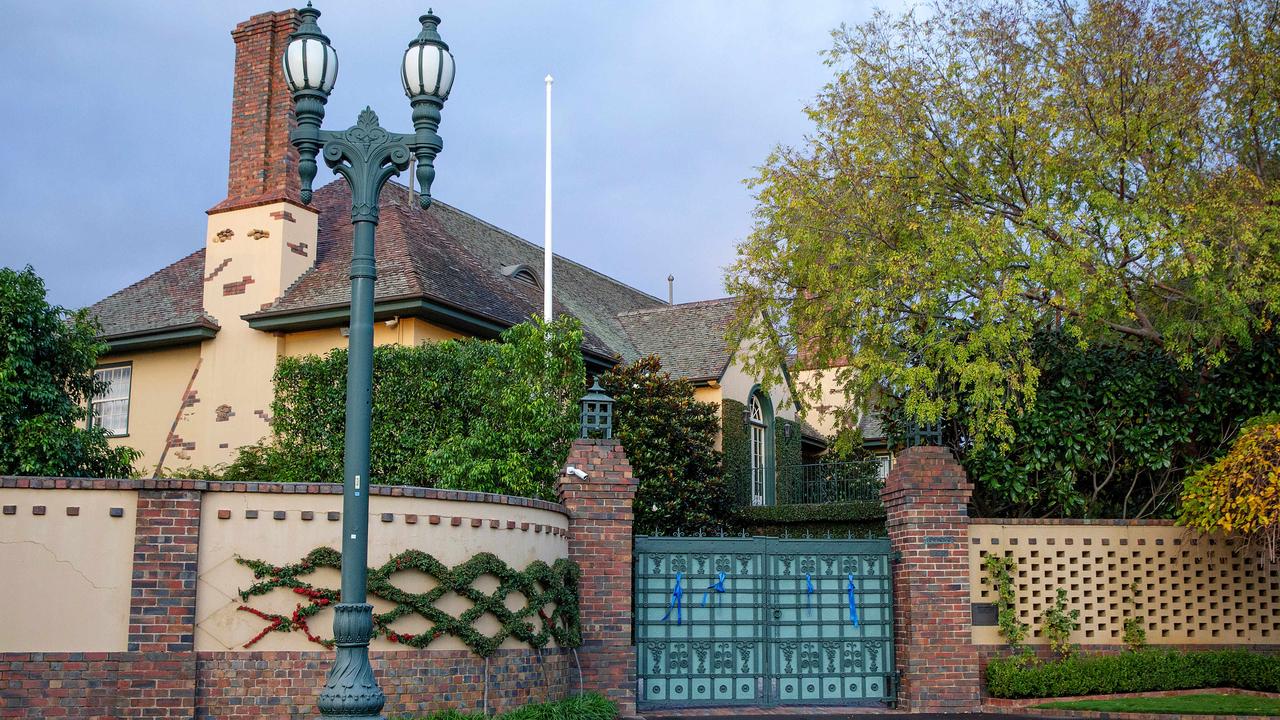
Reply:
x=1193, y=593
x=127, y=591
x=1187, y=589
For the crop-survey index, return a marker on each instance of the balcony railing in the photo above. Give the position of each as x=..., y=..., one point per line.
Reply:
x=829, y=482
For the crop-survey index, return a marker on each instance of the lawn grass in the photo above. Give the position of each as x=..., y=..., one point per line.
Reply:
x=1206, y=704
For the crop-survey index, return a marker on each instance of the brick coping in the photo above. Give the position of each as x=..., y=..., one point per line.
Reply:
x=65, y=483
x=1069, y=521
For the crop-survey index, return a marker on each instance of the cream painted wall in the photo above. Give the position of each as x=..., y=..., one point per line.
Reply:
x=221, y=626
x=713, y=395
x=66, y=578
x=258, y=248
x=823, y=415
x=159, y=379
x=736, y=385
x=408, y=331
x=1192, y=590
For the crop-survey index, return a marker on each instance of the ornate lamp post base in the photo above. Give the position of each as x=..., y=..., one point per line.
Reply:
x=351, y=690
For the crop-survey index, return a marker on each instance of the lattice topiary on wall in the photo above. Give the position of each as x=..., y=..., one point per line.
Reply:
x=542, y=585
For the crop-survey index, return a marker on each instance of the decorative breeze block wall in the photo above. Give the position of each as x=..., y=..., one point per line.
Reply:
x=1191, y=589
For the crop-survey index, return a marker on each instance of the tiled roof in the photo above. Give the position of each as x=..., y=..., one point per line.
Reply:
x=169, y=298
x=593, y=297
x=689, y=338
x=448, y=256
x=809, y=431
x=872, y=425
x=442, y=254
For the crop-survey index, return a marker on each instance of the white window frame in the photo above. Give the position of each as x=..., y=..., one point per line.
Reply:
x=757, y=452
x=115, y=398
x=886, y=464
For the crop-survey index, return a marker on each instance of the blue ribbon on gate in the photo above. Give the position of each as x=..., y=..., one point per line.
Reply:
x=718, y=586
x=808, y=583
x=853, y=603
x=676, y=593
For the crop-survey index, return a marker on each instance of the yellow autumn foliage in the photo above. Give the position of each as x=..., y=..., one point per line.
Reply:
x=1239, y=495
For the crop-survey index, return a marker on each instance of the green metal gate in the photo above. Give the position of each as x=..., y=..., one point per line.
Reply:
x=781, y=631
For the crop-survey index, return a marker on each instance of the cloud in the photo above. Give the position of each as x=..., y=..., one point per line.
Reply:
x=121, y=121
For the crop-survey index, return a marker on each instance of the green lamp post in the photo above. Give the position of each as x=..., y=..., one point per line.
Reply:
x=366, y=156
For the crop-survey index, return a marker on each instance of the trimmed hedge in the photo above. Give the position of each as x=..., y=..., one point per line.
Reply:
x=1144, y=671
x=826, y=512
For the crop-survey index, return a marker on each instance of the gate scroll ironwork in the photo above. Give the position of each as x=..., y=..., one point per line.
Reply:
x=785, y=629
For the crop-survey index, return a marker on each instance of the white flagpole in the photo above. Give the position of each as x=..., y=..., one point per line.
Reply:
x=546, y=222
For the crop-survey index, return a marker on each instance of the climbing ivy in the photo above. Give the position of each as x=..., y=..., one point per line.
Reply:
x=1001, y=571
x=541, y=585
x=735, y=448
x=786, y=451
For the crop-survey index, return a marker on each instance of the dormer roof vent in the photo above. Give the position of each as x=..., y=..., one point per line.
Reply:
x=523, y=273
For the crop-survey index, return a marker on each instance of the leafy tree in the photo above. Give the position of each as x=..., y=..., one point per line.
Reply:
x=463, y=414
x=47, y=357
x=1239, y=495
x=669, y=438
x=1114, y=429
x=989, y=170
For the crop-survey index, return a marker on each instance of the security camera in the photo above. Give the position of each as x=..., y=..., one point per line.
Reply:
x=571, y=470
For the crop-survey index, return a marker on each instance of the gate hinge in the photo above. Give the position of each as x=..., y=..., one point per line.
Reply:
x=895, y=557
x=897, y=686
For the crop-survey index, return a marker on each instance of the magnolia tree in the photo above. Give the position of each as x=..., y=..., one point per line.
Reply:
x=47, y=358
x=980, y=172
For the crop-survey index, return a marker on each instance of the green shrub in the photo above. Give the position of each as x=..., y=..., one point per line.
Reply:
x=578, y=707
x=1143, y=671
x=670, y=440
x=47, y=359
x=467, y=414
x=1135, y=629
x=1058, y=623
x=590, y=706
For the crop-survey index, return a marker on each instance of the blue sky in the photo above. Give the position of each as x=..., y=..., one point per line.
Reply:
x=117, y=114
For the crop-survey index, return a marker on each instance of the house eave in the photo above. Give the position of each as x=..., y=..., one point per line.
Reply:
x=337, y=315
x=191, y=334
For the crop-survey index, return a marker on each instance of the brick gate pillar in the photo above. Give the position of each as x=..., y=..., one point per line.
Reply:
x=600, y=519
x=926, y=499
x=162, y=607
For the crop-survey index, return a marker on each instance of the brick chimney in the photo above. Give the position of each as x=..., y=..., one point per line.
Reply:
x=264, y=166
x=257, y=243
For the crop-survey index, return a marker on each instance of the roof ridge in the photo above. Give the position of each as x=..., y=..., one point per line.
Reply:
x=147, y=277
x=679, y=306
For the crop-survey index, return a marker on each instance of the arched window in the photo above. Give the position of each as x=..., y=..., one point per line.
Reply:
x=758, y=466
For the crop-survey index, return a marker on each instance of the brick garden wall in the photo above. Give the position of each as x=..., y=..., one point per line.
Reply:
x=600, y=542
x=925, y=498
x=158, y=673
x=285, y=684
